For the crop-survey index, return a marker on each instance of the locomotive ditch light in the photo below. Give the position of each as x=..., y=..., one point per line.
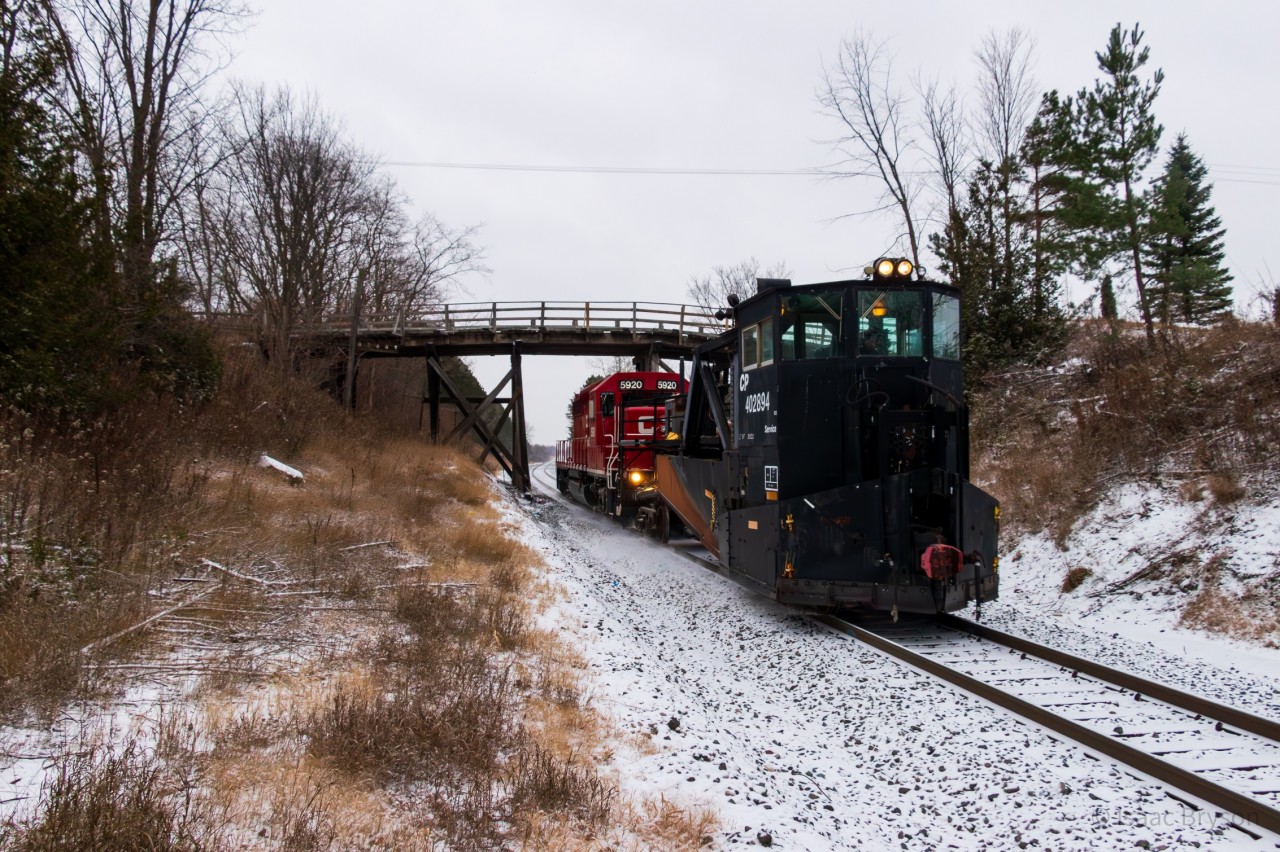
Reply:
x=636, y=477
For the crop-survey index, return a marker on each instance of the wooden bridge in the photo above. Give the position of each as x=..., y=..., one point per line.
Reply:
x=645, y=332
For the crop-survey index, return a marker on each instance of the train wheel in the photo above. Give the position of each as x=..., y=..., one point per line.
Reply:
x=664, y=524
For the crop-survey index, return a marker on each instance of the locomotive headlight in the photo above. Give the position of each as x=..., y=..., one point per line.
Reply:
x=905, y=268
x=884, y=267
x=636, y=477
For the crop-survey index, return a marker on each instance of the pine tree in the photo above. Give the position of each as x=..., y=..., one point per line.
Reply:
x=1118, y=137
x=988, y=251
x=1189, y=282
x=1107, y=299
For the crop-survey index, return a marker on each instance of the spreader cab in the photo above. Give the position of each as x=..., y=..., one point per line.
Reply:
x=836, y=414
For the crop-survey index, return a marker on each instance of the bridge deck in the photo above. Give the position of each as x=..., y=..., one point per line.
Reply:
x=541, y=328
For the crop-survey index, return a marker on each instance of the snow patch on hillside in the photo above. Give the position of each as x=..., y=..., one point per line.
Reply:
x=1151, y=553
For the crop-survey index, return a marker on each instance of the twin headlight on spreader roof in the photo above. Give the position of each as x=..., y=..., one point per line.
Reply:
x=890, y=268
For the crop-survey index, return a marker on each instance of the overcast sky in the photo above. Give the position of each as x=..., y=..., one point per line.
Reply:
x=688, y=85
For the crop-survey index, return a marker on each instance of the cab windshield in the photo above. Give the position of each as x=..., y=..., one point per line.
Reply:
x=890, y=323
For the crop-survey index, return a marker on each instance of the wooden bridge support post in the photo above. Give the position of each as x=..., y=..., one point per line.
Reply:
x=520, y=435
x=433, y=398
x=515, y=462
x=353, y=355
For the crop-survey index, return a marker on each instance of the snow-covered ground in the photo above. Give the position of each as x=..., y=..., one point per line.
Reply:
x=807, y=740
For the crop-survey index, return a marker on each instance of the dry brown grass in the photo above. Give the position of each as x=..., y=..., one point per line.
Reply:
x=376, y=681
x=1225, y=487
x=1201, y=404
x=1253, y=615
x=114, y=799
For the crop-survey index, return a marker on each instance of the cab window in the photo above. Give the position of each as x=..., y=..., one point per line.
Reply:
x=946, y=326
x=750, y=346
x=811, y=325
x=757, y=345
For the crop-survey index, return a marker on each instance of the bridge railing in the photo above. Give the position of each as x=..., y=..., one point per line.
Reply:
x=641, y=317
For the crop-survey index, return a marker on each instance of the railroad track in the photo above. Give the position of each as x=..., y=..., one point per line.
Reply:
x=1210, y=755
x=1217, y=756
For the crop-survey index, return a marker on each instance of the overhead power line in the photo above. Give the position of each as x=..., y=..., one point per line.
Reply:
x=1249, y=174
x=626, y=170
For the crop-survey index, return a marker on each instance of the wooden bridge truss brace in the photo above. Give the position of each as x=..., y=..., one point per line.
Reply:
x=514, y=459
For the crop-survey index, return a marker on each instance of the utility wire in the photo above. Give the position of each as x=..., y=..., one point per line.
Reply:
x=628, y=170
x=1254, y=171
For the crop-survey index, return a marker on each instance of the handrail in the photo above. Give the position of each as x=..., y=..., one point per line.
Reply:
x=537, y=316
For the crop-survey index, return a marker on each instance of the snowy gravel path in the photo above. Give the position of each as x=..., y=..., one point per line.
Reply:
x=794, y=732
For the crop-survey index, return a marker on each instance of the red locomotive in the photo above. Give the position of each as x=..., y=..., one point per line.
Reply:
x=607, y=464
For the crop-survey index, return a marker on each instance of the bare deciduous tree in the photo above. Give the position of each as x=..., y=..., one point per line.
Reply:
x=295, y=215
x=859, y=91
x=1007, y=93
x=293, y=212
x=712, y=290
x=135, y=73
x=439, y=255
x=944, y=123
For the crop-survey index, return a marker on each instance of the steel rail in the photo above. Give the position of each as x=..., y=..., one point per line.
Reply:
x=1244, y=808
x=1236, y=718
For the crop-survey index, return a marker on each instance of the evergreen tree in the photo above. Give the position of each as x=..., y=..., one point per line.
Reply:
x=58, y=340
x=1064, y=203
x=1107, y=298
x=988, y=251
x=1189, y=282
x=1118, y=136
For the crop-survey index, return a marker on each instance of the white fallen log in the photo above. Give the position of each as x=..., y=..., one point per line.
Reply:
x=291, y=473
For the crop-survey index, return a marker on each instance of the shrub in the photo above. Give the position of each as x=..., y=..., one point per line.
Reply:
x=1049, y=442
x=100, y=799
x=1074, y=578
x=1225, y=487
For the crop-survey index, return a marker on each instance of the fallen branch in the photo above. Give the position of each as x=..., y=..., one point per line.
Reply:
x=366, y=544
x=234, y=573
x=102, y=643
x=346, y=608
x=445, y=585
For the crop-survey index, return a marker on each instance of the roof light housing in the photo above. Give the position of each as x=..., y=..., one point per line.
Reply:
x=892, y=269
